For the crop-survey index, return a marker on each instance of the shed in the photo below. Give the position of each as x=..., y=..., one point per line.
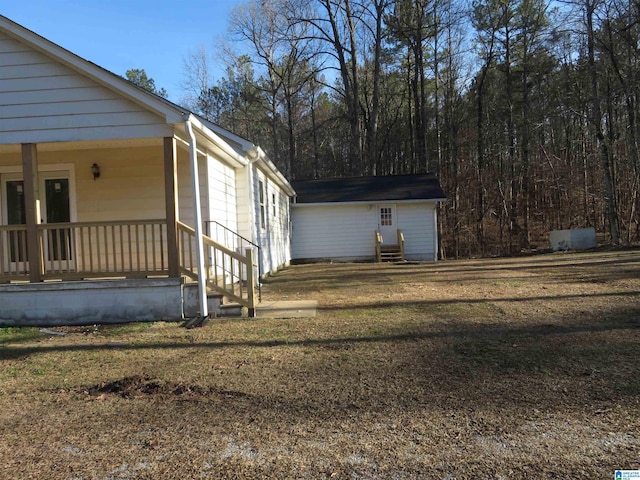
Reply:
x=365, y=218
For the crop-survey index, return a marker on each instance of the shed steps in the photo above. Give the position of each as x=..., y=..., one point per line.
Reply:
x=391, y=253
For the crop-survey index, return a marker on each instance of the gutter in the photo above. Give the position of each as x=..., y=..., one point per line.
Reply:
x=197, y=213
x=368, y=202
x=280, y=179
x=217, y=140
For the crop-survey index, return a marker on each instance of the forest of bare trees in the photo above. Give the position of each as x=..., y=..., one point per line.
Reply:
x=527, y=110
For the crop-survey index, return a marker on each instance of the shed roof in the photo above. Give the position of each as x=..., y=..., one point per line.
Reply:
x=369, y=189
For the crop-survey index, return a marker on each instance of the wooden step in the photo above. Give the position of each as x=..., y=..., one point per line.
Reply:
x=390, y=253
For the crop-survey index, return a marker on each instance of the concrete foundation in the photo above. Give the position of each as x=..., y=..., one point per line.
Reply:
x=91, y=302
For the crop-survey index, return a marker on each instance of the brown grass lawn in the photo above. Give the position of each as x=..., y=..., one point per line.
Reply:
x=484, y=369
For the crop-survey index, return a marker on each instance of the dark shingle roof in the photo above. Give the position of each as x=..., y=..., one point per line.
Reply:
x=369, y=189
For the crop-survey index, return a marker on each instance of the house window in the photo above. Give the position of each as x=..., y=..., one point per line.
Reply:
x=273, y=203
x=262, y=205
x=386, y=216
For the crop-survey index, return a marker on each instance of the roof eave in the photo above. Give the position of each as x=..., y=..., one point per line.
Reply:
x=369, y=202
x=263, y=158
x=222, y=148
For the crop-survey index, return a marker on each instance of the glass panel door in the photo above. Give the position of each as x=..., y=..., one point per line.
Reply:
x=56, y=209
x=15, y=214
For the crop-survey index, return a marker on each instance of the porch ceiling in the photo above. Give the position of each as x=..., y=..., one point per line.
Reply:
x=87, y=145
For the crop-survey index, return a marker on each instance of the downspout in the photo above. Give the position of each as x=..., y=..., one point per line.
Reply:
x=253, y=156
x=197, y=213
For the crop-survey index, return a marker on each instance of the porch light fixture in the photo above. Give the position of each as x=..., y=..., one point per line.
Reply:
x=95, y=169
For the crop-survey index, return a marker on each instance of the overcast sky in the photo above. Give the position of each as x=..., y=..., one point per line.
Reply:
x=155, y=35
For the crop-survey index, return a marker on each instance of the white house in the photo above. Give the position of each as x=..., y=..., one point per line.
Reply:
x=107, y=193
x=364, y=218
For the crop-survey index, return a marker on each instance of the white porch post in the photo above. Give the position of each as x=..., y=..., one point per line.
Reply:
x=197, y=215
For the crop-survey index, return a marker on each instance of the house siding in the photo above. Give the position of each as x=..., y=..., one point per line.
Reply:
x=222, y=203
x=274, y=237
x=223, y=195
x=45, y=101
x=130, y=187
x=346, y=232
x=417, y=222
x=246, y=226
x=341, y=232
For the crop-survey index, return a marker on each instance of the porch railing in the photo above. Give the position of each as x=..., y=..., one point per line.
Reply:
x=79, y=250
x=389, y=252
x=14, y=264
x=226, y=271
x=378, y=240
x=136, y=248
x=401, y=243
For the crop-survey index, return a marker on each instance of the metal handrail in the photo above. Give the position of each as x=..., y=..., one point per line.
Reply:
x=207, y=228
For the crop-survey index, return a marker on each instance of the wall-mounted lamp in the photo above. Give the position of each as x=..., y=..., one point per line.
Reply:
x=95, y=169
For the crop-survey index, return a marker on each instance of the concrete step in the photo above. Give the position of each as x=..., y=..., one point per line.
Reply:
x=217, y=304
x=230, y=310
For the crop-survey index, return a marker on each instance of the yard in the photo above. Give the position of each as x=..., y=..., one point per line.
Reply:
x=481, y=369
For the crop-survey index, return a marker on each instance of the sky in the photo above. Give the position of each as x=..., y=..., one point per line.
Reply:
x=154, y=35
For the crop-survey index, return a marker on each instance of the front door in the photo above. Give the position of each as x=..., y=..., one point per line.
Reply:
x=14, y=242
x=387, y=224
x=54, y=208
x=54, y=189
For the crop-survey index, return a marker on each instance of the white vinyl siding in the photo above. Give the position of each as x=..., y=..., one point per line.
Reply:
x=243, y=202
x=274, y=238
x=222, y=203
x=185, y=195
x=346, y=232
x=333, y=232
x=417, y=222
x=45, y=101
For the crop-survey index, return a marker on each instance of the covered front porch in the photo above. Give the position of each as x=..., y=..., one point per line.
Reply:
x=96, y=232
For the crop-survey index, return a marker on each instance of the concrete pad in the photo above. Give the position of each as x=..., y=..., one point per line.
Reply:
x=287, y=309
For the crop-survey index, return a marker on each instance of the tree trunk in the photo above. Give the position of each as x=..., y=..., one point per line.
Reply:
x=596, y=124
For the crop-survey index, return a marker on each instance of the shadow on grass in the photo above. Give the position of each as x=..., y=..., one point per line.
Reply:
x=582, y=366
x=615, y=266
x=463, y=301
x=622, y=319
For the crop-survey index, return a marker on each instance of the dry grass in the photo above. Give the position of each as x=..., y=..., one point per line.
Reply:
x=487, y=369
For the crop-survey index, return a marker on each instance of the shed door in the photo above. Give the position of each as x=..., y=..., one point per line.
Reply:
x=387, y=224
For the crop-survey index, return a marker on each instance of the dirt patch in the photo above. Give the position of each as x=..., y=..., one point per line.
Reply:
x=138, y=385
